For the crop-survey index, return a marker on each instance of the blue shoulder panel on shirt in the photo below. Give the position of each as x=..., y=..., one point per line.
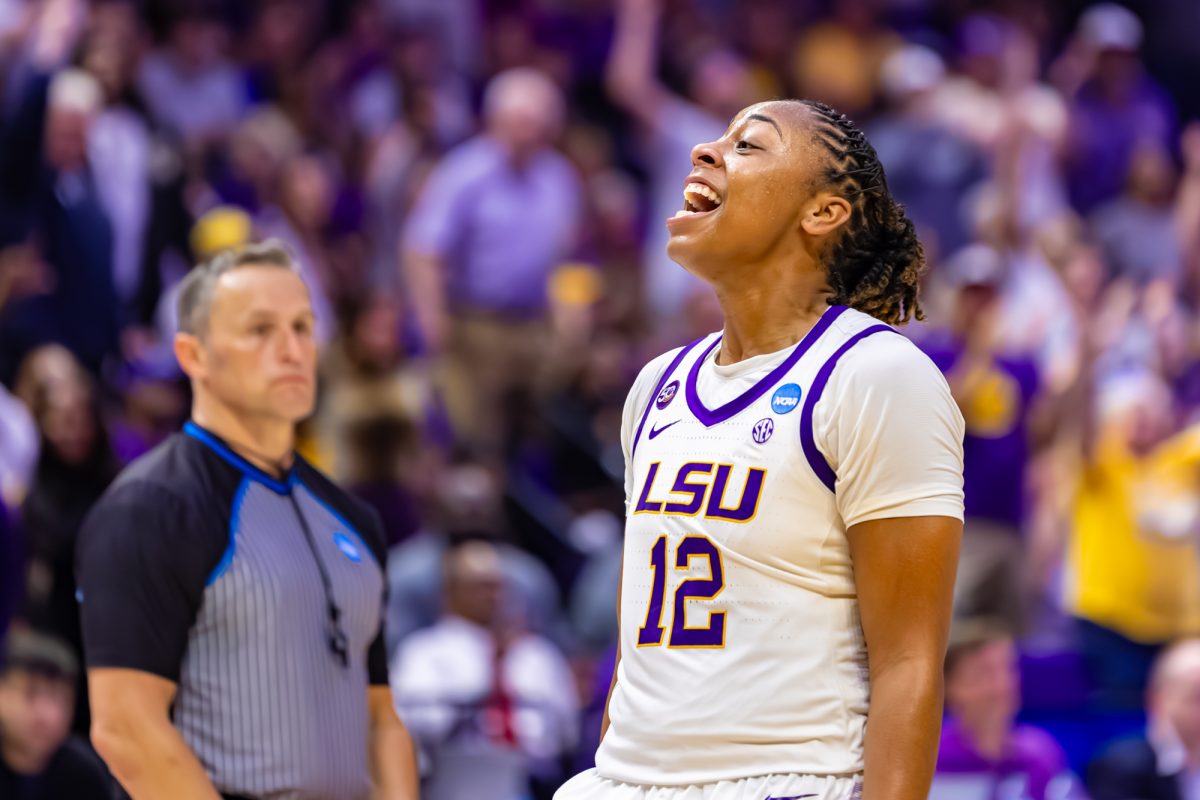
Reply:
x=234, y=512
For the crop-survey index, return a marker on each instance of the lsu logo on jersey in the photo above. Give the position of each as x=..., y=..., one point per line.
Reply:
x=786, y=398
x=704, y=488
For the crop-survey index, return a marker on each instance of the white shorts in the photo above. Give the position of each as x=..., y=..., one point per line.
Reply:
x=590, y=786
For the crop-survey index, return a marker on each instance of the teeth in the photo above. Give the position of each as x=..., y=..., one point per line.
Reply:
x=703, y=191
x=683, y=212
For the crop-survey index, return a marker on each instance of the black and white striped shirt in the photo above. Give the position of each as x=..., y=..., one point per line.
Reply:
x=200, y=568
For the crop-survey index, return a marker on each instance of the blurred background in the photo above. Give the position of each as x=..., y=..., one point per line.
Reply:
x=476, y=190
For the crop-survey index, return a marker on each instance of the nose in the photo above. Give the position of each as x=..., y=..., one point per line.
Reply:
x=708, y=154
x=291, y=349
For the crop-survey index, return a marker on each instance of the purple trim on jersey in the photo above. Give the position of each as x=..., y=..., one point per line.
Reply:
x=743, y=401
x=657, y=390
x=815, y=460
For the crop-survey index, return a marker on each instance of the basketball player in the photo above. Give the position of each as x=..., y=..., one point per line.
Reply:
x=795, y=499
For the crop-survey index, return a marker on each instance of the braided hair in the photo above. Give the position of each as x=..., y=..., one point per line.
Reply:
x=877, y=262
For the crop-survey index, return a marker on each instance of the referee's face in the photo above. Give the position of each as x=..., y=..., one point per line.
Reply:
x=259, y=356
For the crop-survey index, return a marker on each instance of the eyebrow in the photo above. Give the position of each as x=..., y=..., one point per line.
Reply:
x=769, y=121
x=257, y=314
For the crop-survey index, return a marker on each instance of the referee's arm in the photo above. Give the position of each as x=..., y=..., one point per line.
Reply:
x=142, y=577
x=132, y=731
x=393, y=756
x=393, y=759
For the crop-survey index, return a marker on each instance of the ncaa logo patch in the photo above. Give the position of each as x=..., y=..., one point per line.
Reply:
x=763, y=429
x=349, y=549
x=667, y=395
x=786, y=398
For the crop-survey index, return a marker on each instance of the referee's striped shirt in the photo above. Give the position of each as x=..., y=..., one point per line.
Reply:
x=196, y=566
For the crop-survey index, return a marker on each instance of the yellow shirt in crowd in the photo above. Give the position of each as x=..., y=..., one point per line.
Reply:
x=1133, y=564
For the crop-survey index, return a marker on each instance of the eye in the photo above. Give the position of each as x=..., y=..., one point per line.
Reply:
x=742, y=144
x=302, y=326
x=261, y=329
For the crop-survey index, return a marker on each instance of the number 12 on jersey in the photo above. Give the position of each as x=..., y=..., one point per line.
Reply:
x=683, y=635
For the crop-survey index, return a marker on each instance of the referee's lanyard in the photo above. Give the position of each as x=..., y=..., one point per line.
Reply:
x=339, y=643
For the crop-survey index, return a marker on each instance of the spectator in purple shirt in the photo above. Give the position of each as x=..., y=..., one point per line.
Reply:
x=983, y=752
x=997, y=393
x=1118, y=106
x=493, y=221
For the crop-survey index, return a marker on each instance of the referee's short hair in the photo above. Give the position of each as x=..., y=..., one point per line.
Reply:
x=197, y=288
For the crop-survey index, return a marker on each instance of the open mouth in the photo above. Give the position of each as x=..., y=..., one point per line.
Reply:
x=698, y=199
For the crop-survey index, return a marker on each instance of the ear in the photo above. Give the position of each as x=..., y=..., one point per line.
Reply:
x=190, y=354
x=824, y=214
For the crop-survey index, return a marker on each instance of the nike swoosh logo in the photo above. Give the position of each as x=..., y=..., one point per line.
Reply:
x=791, y=797
x=655, y=432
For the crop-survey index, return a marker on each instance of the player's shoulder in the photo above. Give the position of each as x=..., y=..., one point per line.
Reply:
x=650, y=375
x=653, y=369
x=870, y=350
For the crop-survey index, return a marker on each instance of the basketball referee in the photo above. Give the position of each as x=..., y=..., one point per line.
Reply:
x=232, y=596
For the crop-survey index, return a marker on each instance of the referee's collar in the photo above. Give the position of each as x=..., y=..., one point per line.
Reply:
x=218, y=446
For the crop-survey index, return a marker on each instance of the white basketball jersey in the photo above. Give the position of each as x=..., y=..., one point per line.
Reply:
x=741, y=648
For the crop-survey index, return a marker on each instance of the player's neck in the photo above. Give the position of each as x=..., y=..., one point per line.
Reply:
x=268, y=444
x=769, y=316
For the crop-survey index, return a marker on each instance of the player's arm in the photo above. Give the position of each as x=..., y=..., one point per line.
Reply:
x=904, y=572
x=893, y=435
x=132, y=732
x=629, y=74
x=141, y=565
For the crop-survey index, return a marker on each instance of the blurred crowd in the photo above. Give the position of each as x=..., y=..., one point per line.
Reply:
x=476, y=191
